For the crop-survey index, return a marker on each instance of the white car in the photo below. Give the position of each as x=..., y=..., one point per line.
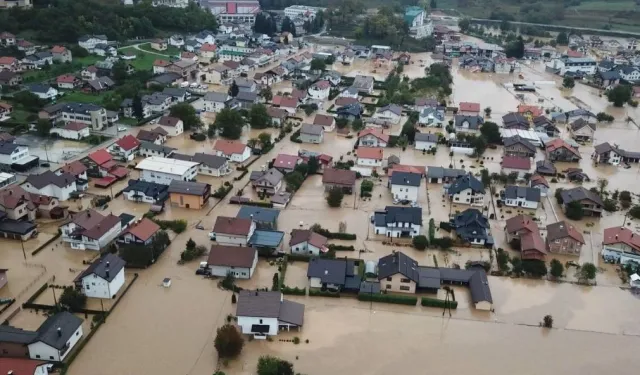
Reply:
x=122, y=128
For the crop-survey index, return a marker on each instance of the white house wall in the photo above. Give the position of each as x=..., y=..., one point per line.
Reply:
x=97, y=287
x=40, y=350
x=245, y=323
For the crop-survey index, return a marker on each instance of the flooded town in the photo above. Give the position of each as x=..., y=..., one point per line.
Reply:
x=232, y=202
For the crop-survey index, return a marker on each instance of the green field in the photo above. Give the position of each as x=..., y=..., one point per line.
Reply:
x=143, y=60
x=88, y=60
x=171, y=51
x=82, y=97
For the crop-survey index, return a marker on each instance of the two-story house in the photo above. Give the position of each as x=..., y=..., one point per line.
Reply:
x=590, y=201
x=268, y=182
x=372, y=138
x=405, y=186
x=90, y=230
x=582, y=130
x=235, y=151
x=103, y=278
x=140, y=233
x=522, y=197
x=147, y=192
x=125, y=148
x=620, y=245
x=425, y=141
x=77, y=170
x=369, y=157
x=391, y=113
x=215, y=101
x=518, y=146
x=263, y=314
x=165, y=170
x=515, y=164
x=398, y=273
x=61, y=54
x=397, y=222
x=607, y=154
x=239, y=261
x=339, y=178
x=320, y=90
x=560, y=150
x=232, y=231
x=467, y=124
x=50, y=184
x=467, y=189
x=307, y=242
x=472, y=227
x=210, y=165
x=564, y=238
x=172, y=125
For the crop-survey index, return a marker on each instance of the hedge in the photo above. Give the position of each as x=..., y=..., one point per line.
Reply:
x=38, y=292
x=294, y=291
x=299, y=257
x=41, y=247
x=336, y=235
x=178, y=226
x=244, y=173
x=323, y=293
x=432, y=302
x=341, y=247
x=388, y=298
x=259, y=204
x=222, y=191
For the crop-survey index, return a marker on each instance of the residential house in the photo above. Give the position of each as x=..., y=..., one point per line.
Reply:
x=405, y=185
x=10, y=79
x=582, y=130
x=518, y=147
x=245, y=99
x=301, y=95
x=101, y=84
x=268, y=182
x=68, y=81
x=425, y=141
x=231, y=231
x=539, y=182
x=210, y=165
x=590, y=201
x=472, y=227
x=52, y=185
x=372, y=138
x=147, y=192
x=289, y=104
x=349, y=93
x=77, y=170
x=391, y=113
x=468, y=109
x=286, y=163
x=530, y=111
x=56, y=337
x=350, y=111
x=320, y=90
x=339, y=178
x=103, y=278
x=333, y=274
x=24, y=366
x=544, y=125
x=246, y=85
x=608, y=79
x=466, y=189
x=164, y=170
x=152, y=136
x=159, y=44
x=16, y=157
x=105, y=50
x=19, y=205
x=620, y=245
x=37, y=60
x=398, y=273
x=515, y=164
x=61, y=54
x=172, y=125
x=514, y=120
x=559, y=150
x=140, y=233
x=521, y=196
x=90, y=230
x=397, y=222
x=519, y=226
x=85, y=113
x=263, y=314
x=310, y=133
x=148, y=149
x=278, y=116
x=265, y=218
x=88, y=73
x=467, y=124
x=607, y=154
x=369, y=156
x=364, y=84
x=307, y=242
x=545, y=168
x=160, y=66
x=327, y=122
x=72, y=130
x=125, y=148
x=440, y=175
x=156, y=102
x=239, y=261
x=215, y=101
x=235, y=151
x=8, y=63
x=43, y=91
x=532, y=246
x=89, y=42
x=189, y=194
x=563, y=238
x=7, y=39
x=630, y=74
x=431, y=117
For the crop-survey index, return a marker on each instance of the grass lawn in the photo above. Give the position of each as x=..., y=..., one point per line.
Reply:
x=20, y=115
x=82, y=97
x=88, y=60
x=170, y=51
x=143, y=60
x=128, y=121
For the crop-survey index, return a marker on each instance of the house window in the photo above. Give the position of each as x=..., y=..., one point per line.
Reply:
x=260, y=321
x=404, y=287
x=388, y=286
x=404, y=280
x=50, y=357
x=389, y=278
x=37, y=355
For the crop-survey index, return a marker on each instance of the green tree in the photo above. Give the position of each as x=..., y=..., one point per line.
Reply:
x=318, y=65
x=234, y=89
x=288, y=25
x=72, y=299
x=313, y=165
x=228, y=341
x=265, y=140
x=562, y=39
x=266, y=93
x=31, y=102
x=138, y=111
x=119, y=72
x=515, y=48
x=258, y=117
x=335, y=196
x=505, y=26
x=43, y=127
x=269, y=365
x=143, y=256
x=556, y=269
x=186, y=113
x=516, y=266
x=547, y=321
x=491, y=132
x=409, y=130
x=558, y=195
x=502, y=258
x=294, y=180
x=229, y=123
x=357, y=125
x=619, y=95
x=574, y=211
x=586, y=272
x=420, y=242
x=464, y=24
x=302, y=168
x=568, y=82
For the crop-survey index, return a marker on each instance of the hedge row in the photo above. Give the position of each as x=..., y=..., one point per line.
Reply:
x=259, y=204
x=432, y=302
x=244, y=173
x=323, y=293
x=38, y=292
x=388, y=298
x=299, y=257
x=341, y=247
x=294, y=291
x=41, y=247
x=336, y=235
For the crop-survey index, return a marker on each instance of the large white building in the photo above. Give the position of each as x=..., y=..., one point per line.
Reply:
x=398, y=221
x=52, y=185
x=263, y=314
x=301, y=11
x=585, y=65
x=163, y=171
x=238, y=11
x=240, y=261
x=420, y=26
x=103, y=278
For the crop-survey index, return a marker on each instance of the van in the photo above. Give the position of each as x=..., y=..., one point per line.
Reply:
x=194, y=85
x=184, y=84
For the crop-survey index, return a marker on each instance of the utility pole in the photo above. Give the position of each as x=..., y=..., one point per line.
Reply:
x=24, y=254
x=55, y=301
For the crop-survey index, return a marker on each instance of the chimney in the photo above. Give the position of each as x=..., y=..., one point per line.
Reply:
x=326, y=272
x=59, y=332
x=616, y=236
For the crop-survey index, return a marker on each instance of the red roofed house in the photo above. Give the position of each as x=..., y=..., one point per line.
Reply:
x=559, y=150
x=532, y=246
x=328, y=122
x=370, y=156
x=286, y=163
x=68, y=81
x=9, y=63
x=90, y=230
x=79, y=171
x=529, y=111
x=345, y=100
x=523, y=233
x=307, y=242
x=289, y=104
x=208, y=51
x=235, y=151
x=159, y=66
x=24, y=366
x=125, y=148
x=516, y=164
x=99, y=163
x=339, y=178
x=372, y=138
x=406, y=168
x=468, y=109
x=232, y=231
x=301, y=95
x=141, y=233
x=564, y=238
x=320, y=90
x=188, y=56
x=621, y=244
x=61, y=54
x=5, y=111
x=72, y=130
x=172, y=125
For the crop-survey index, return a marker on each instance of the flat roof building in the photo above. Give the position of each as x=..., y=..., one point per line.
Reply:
x=163, y=170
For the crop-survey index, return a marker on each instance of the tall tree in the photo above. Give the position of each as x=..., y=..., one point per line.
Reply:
x=186, y=113
x=266, y=94
x=268, y=365
x=258, y=117
x=138, y=111
x=228, y=341
x=562, y=39
x=619, y=95
x=491, y=132
x=288, y=25
x=229, y=123
x=119, y=71
x=234, y=89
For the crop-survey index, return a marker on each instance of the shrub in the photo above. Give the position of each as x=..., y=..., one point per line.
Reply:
x=547, y=321
x=228, y=341
x=293, y=291
x=388, y=298
x=433, y=302
x=199, y=137
x=178, y=226
x=73, y=299
x=323, y=293
x=341, y=247
x=191, y=253
x=420, y=242
x=296, y=340
x=333, y=235
x=223, y=190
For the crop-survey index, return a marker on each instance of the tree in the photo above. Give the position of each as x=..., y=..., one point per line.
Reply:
x=357, y=125
x=137, y=108
x=547, y=321
x=258, y=117
x=602, y=186
x=228, y=341
x=420, y=242
x=188, y=115
x=288, y=25
x=302, y=168
x=479, y=145
x=558, y=195
x=487, y=111
x=43, y=127
x=72, y=299
x=264, y=24
x=30, y=101
x=516, y=266
x=229, y=123
x=464, y=24
x=409, y=131
x=516, y=48
x=266, y=93
x=119, y=72
x=335, y=196
x=491, y=132
x=313, y=165
x=574, y=211
x=586, y=272
x=568, y=82
x=294, y=180
x=502, y=258
x=143, y=256
x=556, y=269
x=634, y=212
x=269, y=365
x=562, y=39
x=534, y=267
x=234, y=89
x=433, y=4
x=265, y=140
x=619, y=95
x=318, y=65
x=604, y=117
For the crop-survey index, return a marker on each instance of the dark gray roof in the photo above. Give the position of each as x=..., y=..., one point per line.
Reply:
x=398, y=262
x=58, y=329
x=291, y=312
x=371, y=287
x=106, y=267
x=426, y=137
x=260, y=214
x=266, y=238
x=166, y=78
x=272, y=176
x=479, y=287
x=471, y=224
x=216, y=97
x=581, y=123
x=16, y=226
x=466, y=182
x=528, y=193
x=545, y=167
x=247, y=96
x=38, y=87
x=16, y=335
x=269, y=305
x=212, y=161
x=610, y=75
x=514, y=118
x=174, y=91
x=396, y=214
x=394, y=108
x=311, y=129
x=331, y=271
x=579, y=193
x=7, y=148
x=47, y=178
x=474, y=121
x=405, y=178
x=429, y=277
x=155, y=147
x=604, y=147
x=188, y=187
x=354, y=109
x=516, y=139
x=440, y=172
x=149, y=189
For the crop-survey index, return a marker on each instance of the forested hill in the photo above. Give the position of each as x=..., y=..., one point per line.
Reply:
x=66, y=20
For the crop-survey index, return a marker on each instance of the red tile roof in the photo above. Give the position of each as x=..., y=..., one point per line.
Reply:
x=322, y=85
x=623, y=235
x=572, y=53
x=231, y=64
x=376, y=133
x=187, y=55
x=277, y=99
x=343, y=100
x=298, y=94
x=19, y=366
x=92, y=69
x=305, y=235
x=75, y=126
x=66, y=78
x=324, y=120
x=100, y=157
x=406, y=168
x=516, y=162
x=229, y=147
x=532, y=241
x=288, y=102
x=232, y=225
x=370, y=153
x=286, y=161
x=7, y=60
x=58, y=49
x=339, y=176
x=160, y=62
x=74, y=168
x=521, y=222
x=537, y=179
x=144, y=229
x=560, y=143
x=276, y=112
x=534, y=109
x=469, y=107
x=128, y=142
